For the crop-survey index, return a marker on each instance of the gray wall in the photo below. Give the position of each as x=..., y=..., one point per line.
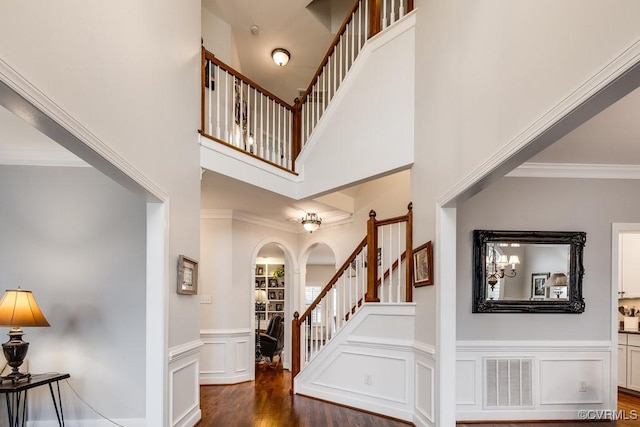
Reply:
x=77, y=240
x=547, y=204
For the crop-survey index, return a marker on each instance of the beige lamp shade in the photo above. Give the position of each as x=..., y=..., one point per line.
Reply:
x=261, y=296
x=19, y=308
x=556, y=280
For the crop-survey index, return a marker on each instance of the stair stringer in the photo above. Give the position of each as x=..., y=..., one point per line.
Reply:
x=376, y=346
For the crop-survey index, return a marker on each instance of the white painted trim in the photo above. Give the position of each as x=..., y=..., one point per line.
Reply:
x=424, y=349
x=567, y=359
x=99, y=152
x=612, y=71
x=184, y=350
x=510, y=346
x=290, y=227
x=224, y=333
x=446, y=305
x=129, y=422
x=422, y=411
x=33, y=106
x=59, y=158
x=192, y=412
x=616, y=229
x=381, y=343
x=400, y=27
x=571, y=170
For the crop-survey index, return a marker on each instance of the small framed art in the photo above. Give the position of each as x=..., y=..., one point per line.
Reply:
x=423, y=265
x=187, y=275
x=537, y=285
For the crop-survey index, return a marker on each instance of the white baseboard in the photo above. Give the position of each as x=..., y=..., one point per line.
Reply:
x=128, y=422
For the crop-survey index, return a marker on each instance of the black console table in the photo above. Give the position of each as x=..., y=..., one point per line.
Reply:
x=16, y=395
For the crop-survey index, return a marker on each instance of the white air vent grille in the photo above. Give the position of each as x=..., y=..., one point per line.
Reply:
x=507, y=383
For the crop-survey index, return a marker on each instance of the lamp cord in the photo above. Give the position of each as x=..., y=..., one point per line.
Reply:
x=90, y=407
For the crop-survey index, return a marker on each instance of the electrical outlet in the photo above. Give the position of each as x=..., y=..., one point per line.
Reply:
x=367, y=379
x=205, y=299
x=583, y=386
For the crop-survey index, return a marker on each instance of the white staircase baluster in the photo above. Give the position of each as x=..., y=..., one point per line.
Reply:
x=393, y=11
x=402, y=10
x=210, y=98
x=218, y=91
x=399, y=262
x=226, y=103
x=353, y=39
x=366, y=18
x=261, y=126
x=359, y=27
x=384, y=14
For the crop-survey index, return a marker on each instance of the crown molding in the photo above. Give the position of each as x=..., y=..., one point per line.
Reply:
x=248, y=218
x=575, y=170
x=57, y=158
x=289, y=227
x=619, y=71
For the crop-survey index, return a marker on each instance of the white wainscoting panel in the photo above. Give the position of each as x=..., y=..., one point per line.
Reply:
x=424, y=385
x=466, y=382
x=184, y=389
x=567, y=377
x=561, y=381
x=225, y=356
x=376, y=374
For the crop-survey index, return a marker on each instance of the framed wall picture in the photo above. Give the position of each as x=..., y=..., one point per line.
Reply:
x=187, y=275
x=537, y=285
x=423, y=265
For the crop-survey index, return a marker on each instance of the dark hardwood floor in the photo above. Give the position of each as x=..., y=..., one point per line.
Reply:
x=267, y=403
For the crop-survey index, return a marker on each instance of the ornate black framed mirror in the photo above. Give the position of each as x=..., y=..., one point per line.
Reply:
x=528, y=271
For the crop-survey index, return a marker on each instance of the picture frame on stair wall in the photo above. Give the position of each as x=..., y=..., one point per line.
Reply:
x=187, y=276
x=423, y=265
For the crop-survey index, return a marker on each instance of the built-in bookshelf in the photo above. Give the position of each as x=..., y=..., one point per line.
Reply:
x=270, y=278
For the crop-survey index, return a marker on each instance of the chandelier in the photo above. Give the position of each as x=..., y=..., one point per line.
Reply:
x=311, y=222
x=497, y=264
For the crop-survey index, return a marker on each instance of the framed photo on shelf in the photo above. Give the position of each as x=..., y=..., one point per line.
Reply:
x=187, y=275
x=423, y=265
x=537, y=285
x=259, y=271
x=278, y=307
x=273, y=282
x=272, y=294
x=280, y=295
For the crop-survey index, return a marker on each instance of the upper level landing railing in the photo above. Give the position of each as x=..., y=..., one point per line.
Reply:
x=239, y=113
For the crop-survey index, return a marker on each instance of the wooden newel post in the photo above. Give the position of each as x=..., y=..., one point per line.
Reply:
x=295, y=347
x=296, y=132
x=372, y=259
x=375, y=21
x=409, y=257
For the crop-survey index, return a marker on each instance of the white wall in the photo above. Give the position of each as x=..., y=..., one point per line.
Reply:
x=565, y=348
x=217, y=37
x=229, y=247
x=76, y=239
x=582, y=205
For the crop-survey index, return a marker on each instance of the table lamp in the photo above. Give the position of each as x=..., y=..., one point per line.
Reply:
x=18, y=308
x=557, y=281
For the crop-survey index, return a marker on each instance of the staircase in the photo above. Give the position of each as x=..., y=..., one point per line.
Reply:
x=245, y=117
x=355, y=284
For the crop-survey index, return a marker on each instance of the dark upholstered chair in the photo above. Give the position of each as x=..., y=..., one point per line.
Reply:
x=272, y=342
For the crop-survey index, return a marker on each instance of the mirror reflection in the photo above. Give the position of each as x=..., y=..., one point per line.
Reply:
x=528, y=271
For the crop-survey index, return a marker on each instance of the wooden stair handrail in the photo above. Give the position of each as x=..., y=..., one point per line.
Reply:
x=333, y=280
x=211, y=57
x=332, y=47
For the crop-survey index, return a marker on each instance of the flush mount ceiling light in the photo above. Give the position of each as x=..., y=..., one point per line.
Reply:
x=311, y=222
x=280, y=56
